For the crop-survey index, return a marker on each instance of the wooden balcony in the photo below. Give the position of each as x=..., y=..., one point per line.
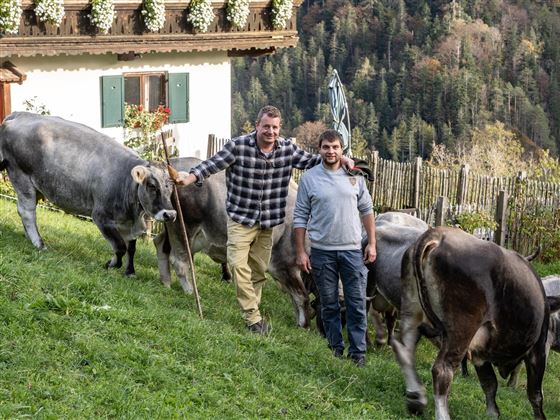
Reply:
x=129, y=36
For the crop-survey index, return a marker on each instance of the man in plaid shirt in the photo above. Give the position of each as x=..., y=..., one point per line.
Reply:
x=258, y=171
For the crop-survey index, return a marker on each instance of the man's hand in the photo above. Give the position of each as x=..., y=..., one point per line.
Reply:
x=370, y=254
x=303, y=263
x=347, y=162
x=183, y=178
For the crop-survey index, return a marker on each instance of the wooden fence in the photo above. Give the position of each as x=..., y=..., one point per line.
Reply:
x=414, y=185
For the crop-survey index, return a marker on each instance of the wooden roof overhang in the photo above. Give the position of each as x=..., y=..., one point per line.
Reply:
x=128, y=35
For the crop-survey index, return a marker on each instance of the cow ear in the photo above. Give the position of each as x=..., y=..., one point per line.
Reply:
x=139, y=173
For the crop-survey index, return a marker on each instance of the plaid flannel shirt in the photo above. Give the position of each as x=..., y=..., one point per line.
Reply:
x=257, y=186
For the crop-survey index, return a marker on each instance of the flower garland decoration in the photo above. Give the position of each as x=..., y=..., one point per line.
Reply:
x=281, y=13
x=102, y=14
x=201, y=14
x=10, y=12
x=154, y=14
x=237, y=12
x=50, y=11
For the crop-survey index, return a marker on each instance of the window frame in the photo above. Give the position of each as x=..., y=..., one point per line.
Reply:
x=145, y=86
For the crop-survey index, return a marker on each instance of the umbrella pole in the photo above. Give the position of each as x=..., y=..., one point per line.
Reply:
x=184, y=236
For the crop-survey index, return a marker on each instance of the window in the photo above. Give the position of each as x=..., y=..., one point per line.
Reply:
x=147, y=89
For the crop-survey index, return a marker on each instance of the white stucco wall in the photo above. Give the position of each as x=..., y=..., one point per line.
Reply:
x=69, y=87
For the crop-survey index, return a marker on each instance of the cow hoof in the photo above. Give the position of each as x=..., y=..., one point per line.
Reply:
x=226, y=279
x=130, y=275
x=111, y=264
x=380, y=342
x=415, y=403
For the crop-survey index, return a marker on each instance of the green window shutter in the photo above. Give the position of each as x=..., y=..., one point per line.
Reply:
x=112, y=102
x=178, y=97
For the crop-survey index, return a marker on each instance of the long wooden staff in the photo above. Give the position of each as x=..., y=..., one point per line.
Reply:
x=173, y=174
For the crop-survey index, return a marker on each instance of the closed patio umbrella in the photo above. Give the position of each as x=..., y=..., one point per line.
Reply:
x=339, y=109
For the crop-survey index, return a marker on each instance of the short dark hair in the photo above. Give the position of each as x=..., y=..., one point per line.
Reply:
x=330, y=136
x=269, y=110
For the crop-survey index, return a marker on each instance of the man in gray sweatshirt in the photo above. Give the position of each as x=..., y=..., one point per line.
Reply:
x=331, y=207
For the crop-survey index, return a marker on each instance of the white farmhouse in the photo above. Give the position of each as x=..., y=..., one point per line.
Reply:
x=82, y=75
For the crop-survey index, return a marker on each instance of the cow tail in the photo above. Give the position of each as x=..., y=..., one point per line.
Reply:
x=421, y=253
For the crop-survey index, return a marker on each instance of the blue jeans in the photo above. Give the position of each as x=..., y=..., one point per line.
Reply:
x=327, y=266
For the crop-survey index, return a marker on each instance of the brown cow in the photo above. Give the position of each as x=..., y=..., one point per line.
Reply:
x=479, y=300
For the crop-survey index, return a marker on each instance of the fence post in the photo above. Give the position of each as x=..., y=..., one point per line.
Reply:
x=211, y=145
x=374, y=167
x=416, y=183
x=501, y=219
x=441, y=209
x=462, y=185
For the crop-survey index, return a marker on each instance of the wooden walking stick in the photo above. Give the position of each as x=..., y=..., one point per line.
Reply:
x=173, y=175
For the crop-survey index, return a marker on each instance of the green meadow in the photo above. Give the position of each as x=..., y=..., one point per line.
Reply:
x=79, y=341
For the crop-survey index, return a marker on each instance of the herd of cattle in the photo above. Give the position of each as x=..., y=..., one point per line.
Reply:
x=473, y=299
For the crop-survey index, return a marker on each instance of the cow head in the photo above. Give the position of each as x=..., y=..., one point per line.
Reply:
x=154, y=192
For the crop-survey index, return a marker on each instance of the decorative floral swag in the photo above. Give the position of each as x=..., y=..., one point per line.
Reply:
x=281, y=13
x=200, y=14
x=102, y=14
x=153, y=12
x=10, y=13
x=237, y=12
x=50, y=11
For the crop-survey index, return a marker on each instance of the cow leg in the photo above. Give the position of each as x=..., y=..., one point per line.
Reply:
x=535, y=363
x=226, y=274
x=301, y=308
x=115, y=239
x=163, y=250
x=404, y=348
x=378, y=324
x=26, y=206
x=464, y=367
x=130, y=251
x=182, y=271
x=390, y=320
x=442, y=374
x=489, y=383
x=514, y=376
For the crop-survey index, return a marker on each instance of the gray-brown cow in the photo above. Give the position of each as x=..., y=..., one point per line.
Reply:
x=479, y=300
x=204, y=213
x=83, y=172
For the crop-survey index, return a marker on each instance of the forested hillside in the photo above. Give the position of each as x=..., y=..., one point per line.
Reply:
x=416, y=73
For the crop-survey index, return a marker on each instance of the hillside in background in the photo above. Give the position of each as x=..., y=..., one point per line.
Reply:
x=416, y=73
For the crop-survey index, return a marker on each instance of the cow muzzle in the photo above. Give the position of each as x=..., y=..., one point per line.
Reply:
x=166, y=216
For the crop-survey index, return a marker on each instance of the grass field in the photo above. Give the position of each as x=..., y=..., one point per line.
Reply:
x=78, y=341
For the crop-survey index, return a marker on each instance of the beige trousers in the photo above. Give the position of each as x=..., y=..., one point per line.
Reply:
x=248, y=255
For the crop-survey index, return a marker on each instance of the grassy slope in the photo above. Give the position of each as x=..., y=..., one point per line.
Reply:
x=80, y=341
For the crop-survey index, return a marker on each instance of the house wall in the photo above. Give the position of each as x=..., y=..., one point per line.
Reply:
x=69, y=87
